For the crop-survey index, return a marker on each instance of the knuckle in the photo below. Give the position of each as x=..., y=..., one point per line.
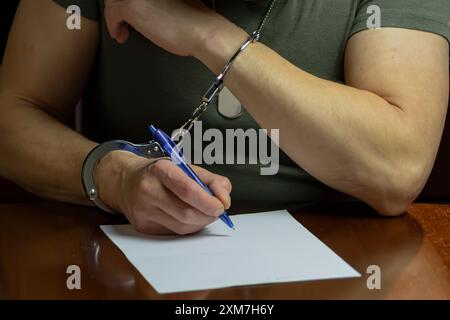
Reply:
x=186, y=190
x=188, y=216
x=226, y=183
x=142, y=186
x=145, y=190
x=156, y=169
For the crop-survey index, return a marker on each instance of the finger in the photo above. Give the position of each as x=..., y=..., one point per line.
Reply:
x=111, y=18
x=164, y=219
x=184, y=213
x=153, y=228
x=185, y=188
x=123, y=32
x=219, y=185
x=117, y=27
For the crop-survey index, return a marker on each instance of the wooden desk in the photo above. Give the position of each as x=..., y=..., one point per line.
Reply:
x=39, y=240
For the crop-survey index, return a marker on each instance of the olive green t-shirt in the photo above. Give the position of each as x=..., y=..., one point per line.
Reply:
x=137, y=83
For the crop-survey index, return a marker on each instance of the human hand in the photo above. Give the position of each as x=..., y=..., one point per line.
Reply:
x=157, y=196
x=175, y=25
x=182, y=27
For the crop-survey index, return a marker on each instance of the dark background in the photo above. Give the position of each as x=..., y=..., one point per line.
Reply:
x=436, y=190
x=7, y=10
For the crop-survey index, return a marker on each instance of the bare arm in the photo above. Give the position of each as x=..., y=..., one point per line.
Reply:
x=41, y=79
x=42, y=76
x=375, y=138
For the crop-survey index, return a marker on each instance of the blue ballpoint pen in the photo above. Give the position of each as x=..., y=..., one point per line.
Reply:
x=170, y=148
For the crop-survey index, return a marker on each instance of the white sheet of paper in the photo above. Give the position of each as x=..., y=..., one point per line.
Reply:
x=267, y=247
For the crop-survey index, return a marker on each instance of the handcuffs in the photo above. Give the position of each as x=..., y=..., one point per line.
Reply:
x=152, y=149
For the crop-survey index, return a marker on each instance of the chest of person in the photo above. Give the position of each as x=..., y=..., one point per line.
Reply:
x=137, y=82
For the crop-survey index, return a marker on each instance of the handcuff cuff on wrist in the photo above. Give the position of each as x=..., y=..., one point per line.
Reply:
x=153, y=150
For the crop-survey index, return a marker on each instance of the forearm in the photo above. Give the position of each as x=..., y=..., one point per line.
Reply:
x=350, y=139
x=40, y=153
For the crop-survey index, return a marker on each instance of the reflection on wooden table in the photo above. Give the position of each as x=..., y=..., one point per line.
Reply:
x=39, y=240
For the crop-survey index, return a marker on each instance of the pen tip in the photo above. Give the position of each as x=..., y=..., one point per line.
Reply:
x=234, y=229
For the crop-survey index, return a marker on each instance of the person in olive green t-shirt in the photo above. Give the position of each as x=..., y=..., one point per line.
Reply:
x=360, y=107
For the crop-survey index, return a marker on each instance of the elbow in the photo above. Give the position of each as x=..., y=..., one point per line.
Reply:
x=399, y=189
x=392, y=207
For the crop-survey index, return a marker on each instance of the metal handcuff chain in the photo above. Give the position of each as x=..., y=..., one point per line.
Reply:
x=218, y=84
x=153, y=149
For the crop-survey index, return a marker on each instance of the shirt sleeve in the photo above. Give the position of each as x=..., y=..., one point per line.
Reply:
x=423, y=15
x=89, y=8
